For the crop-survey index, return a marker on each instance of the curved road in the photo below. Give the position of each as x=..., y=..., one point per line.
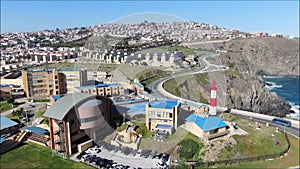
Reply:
x=158, y=91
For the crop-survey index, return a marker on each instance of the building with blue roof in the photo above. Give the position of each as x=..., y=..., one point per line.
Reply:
x=162, y=115
x=206, y=128
x=37, y=130
x=7, y=125
x=103, y=89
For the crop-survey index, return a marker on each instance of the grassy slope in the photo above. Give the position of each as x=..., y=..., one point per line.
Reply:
x=291, y=160
x=4, y=107
x=259, y=142
x=90, y=66
x=172, y=86
x=36, y=156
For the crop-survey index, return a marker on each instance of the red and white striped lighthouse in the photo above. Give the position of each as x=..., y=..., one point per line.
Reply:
x=213, y=99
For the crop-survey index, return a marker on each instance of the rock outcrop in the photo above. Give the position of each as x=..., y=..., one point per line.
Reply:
x=255, y=57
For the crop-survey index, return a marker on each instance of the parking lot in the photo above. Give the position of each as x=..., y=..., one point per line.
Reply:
x=108, y=156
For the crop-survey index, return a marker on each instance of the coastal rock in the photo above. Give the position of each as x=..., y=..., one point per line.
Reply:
x=252, y=58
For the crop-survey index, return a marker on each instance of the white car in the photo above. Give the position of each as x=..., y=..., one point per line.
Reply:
x=30, y=106
x=93, y=150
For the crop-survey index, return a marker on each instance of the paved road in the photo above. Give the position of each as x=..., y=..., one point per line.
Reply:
x=30, y=111
x=292, y=130
x=158, y=91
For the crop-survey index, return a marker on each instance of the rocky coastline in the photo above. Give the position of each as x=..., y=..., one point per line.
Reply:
x=254, y=58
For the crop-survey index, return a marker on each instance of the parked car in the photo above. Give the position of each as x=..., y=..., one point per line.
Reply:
x=30, y=106
x=158, y=156
x=165, y=157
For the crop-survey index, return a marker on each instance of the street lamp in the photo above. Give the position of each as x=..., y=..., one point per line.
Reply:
x=26, y=111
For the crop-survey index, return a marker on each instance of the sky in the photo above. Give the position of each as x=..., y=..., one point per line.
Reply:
x=249, y=16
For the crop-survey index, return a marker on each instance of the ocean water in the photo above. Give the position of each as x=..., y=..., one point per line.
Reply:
x=287, y=88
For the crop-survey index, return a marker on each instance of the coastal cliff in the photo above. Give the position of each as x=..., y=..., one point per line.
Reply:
x=242, y=86
x=253, y=58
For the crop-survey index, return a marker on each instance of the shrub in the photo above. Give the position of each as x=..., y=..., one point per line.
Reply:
x=188, y=148
x=10, y=100
x=143, y=130
x=122, y=127
x=18, y=113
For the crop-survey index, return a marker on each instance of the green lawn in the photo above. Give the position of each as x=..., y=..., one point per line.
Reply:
x=40, y=112
x=290, y=160
x=5, y=106
x=35, y=156
x=14, y=118
x=256, y=143
x=41, y=100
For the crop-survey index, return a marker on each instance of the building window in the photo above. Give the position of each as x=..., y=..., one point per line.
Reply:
x=158, y=114
x=170, y=115
x=89, y=119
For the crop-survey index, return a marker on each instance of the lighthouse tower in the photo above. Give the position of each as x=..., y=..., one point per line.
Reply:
x=213, y=99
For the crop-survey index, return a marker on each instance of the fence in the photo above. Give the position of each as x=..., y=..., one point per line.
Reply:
x=239, y=160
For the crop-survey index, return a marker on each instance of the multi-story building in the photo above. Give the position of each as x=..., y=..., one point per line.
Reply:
x=74, y=78
x=102, y=89
x=5, y=92
x=44, y=83
x=78, y=119
x=41, y=84
x=162, y=115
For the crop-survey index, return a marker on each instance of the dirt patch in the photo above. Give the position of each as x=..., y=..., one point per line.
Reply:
x=212, y=149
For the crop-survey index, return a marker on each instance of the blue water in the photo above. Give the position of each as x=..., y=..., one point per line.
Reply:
x=288, y=89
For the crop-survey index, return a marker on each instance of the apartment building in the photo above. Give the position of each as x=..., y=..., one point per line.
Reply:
x=41, y=84
x=102, y=89
x=74, y=78
x=162, y=115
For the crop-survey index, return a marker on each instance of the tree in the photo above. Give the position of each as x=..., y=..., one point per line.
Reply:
x=10, y=100
x=188, y=148
x=19, y=113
